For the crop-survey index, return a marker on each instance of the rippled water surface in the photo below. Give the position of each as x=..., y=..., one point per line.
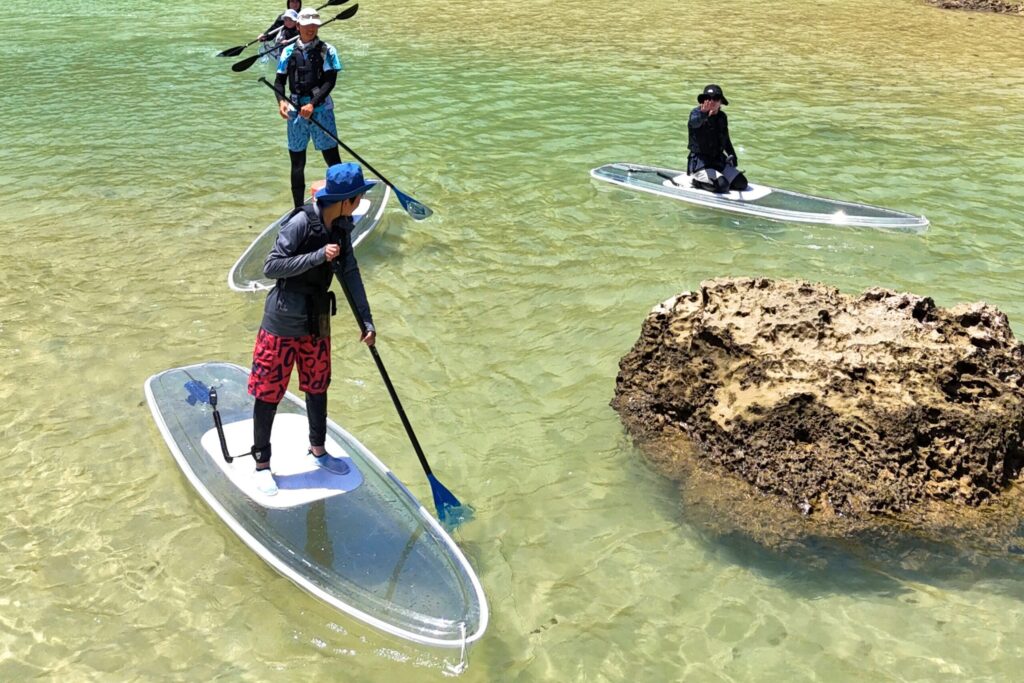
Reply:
x=136, y=168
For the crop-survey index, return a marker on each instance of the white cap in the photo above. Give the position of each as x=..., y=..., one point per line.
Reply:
x=309, y=16
x=290, y=14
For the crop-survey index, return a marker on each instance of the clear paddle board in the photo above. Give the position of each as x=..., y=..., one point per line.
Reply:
x=247, y=273
x=759, y=200
x=269, y=53
x=361, y=542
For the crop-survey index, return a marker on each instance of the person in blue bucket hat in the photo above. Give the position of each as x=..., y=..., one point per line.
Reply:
x=314, y=239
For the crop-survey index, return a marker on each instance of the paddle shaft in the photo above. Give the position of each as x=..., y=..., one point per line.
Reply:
x=235, y=51
x=334, y=137
x=384, y=374
x=277, y=46
x=660, y=174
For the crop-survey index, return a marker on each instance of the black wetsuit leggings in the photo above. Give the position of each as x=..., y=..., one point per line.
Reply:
x=331, y=156
x=263, y=421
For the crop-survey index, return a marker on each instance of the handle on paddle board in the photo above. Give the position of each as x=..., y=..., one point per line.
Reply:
x=417, y=210
x=219, y=425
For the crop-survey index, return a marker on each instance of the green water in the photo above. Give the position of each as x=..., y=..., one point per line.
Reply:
x=136, y=168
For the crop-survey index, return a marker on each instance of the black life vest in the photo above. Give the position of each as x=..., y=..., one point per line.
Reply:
x=315, y=283
x=306, y=69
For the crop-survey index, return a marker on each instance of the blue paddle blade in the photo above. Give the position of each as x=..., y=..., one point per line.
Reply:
x=450, y=512
x=418, y=211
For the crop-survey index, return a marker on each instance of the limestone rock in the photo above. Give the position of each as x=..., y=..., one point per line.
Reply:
x=832, y=405
x=1000, y=6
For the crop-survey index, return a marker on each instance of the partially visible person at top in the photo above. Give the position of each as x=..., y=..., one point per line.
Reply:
x=279, y=23
x=310, y=69
x=313, y=246
x=290, y=28
x=712, y=161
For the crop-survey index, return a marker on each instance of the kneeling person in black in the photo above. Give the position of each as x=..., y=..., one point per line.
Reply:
x=712, y=161
x=312, y=244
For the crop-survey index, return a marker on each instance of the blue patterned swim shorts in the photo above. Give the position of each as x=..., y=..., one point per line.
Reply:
x=300, y=130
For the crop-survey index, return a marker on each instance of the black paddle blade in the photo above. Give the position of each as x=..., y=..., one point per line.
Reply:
x=232, y=51
x=245, y=63
x=346, y=14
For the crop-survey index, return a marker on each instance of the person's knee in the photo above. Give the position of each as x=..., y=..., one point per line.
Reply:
x=739, y=182
x=721, y=184
x=702, y=180
x=332, y=156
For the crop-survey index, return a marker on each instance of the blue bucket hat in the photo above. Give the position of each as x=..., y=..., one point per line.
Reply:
x=343, y=181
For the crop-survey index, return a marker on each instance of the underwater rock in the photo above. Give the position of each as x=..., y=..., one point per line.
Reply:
x=982, y=5
x=841, y=412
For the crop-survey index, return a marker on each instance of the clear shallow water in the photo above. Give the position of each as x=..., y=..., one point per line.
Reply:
x=137, y=168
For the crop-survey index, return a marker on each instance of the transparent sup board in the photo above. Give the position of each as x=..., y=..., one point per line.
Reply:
x=361, y=542
x=247, y=273
x=269, y=53
x=759, y=200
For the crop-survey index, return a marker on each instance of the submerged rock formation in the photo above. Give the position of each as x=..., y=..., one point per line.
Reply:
x=852, y=411
x=982, y=5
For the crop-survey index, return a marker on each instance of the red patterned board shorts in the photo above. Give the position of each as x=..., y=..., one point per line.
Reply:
x=273, y=359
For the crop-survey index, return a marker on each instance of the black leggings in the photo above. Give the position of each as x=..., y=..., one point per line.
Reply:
x=263, y=422
x=331, y=156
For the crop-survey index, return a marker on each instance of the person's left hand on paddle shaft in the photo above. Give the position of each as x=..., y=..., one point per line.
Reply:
x=306, y=111
x=369, y=337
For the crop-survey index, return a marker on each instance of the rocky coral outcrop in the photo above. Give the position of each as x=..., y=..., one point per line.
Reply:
x=1000, y=6
x=860, y=408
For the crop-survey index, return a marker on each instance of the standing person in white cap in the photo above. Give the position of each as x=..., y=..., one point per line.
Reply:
x=310, y=68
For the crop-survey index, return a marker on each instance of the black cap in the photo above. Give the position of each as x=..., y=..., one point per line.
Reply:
x=713, y=92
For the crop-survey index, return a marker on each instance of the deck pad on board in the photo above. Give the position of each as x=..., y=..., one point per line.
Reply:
x=299, y=480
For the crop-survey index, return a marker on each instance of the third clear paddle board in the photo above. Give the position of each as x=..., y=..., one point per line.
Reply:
x=758, y=200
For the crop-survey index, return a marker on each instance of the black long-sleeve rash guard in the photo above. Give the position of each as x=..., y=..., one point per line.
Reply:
x=709, y=136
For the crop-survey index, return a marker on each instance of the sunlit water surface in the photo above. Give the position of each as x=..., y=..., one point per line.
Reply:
x=136, y=168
